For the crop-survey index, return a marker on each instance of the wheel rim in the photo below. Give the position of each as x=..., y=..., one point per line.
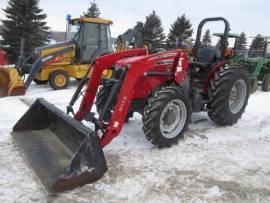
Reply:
x=173, y=118
x=60, y=80
x=237, y=96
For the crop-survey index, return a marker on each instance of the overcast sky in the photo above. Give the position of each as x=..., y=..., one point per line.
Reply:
x=250, y=16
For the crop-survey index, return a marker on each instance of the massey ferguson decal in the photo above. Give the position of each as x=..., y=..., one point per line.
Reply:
x=165, y=62
x=123, y=104
x=162, y=56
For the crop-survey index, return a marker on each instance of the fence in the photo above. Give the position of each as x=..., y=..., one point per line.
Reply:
x=252, y=53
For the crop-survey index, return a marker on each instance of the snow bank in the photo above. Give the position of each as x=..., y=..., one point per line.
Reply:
x=212, y=163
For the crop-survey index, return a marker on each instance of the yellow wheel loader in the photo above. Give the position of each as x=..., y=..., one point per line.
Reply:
x=87, y=38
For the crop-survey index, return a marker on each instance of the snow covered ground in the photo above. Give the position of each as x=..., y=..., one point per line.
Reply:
x=212, y=164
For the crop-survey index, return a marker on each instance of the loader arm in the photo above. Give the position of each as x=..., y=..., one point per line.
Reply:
x=41, y=61
x=100, y=65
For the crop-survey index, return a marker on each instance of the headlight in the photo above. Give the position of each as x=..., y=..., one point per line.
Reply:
x=107, y=73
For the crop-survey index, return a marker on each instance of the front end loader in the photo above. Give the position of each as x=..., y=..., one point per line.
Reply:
x=10, y=80
x=55, y=64
x=12, y=83
x=63, y=152
x=164, y=87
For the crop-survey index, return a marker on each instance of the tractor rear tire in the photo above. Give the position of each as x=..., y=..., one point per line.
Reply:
x=40, y=82
x=229, y=93
x=166, y=116
x=59, y=80
x=266, y=83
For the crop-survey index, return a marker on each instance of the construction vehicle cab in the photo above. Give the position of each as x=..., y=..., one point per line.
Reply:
x=130, y=39
x=86, y=38
x=89, y=34
x=133, y=39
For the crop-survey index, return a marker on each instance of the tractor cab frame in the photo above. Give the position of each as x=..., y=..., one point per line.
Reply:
x=90, y=35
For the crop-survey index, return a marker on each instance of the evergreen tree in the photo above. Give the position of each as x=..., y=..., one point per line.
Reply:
x=154, y=32
x=93, y=11
x=241, y=43
x=206, y=40
x=258, y=43
x=24, y=20
x=180, y=32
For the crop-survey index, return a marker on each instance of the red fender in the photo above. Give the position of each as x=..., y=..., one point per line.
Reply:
x=211, y=74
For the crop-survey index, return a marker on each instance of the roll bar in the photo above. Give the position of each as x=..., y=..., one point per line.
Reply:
x=223, y=39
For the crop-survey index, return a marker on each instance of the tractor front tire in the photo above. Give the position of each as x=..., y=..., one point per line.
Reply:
x=166, y=116
x=253, y=86
x=266, y=83
x=59, y=80
x=40, y=82
x=229, y=93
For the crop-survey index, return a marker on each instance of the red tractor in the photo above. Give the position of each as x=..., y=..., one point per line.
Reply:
x=164, y=87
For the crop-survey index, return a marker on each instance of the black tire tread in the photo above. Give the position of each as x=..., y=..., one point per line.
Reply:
x=265, y=82
x=152, y=111
x=52, y=79
x=217, y=93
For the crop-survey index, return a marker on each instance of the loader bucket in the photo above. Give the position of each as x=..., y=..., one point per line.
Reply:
x=62, y=151
x=11, y=83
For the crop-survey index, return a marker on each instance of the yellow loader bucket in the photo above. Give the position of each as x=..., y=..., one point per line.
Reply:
x=63, y=152
x=11, y=83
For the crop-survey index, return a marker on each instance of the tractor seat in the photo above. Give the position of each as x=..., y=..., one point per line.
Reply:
x=206, y=57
